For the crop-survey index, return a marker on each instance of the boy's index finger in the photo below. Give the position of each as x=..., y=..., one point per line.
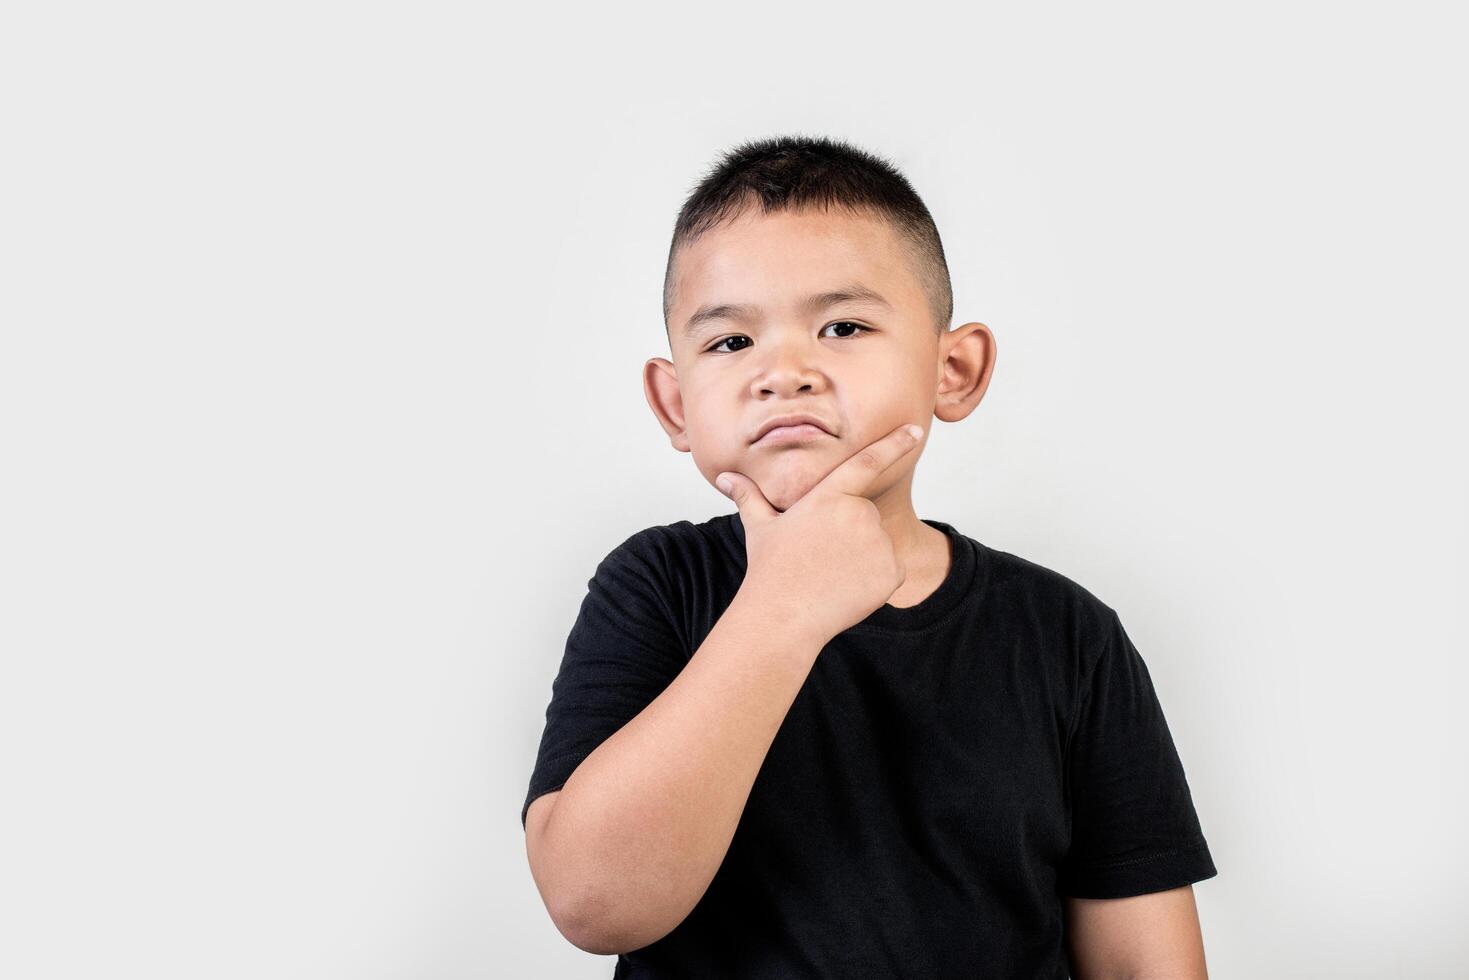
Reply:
x=862, y=468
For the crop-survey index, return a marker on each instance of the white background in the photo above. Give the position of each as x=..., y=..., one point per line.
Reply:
x=320, y=402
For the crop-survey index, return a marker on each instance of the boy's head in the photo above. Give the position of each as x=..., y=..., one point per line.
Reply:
x=806, y=276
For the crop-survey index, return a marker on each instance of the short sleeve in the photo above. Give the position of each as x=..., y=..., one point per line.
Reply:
x=622, y=652
x=1134, y=829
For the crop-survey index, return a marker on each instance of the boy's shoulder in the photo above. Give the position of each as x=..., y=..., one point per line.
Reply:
x=1013, y=575
x=680, y=541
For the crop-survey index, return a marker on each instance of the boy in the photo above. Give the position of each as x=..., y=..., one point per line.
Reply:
x=822, y=737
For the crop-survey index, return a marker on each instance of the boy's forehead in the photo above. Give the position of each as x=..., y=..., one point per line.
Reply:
x=776, y=260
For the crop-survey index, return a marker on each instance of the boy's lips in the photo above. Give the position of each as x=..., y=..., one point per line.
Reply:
x=785, y=428
x=805, y=432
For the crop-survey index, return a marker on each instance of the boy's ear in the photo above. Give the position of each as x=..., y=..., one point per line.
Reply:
x=660, y=386
x=966, y=362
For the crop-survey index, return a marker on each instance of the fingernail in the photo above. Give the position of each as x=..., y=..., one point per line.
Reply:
x=916, y=431
x=722, y=482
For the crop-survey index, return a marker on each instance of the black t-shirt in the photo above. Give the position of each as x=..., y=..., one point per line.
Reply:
x=947, y=772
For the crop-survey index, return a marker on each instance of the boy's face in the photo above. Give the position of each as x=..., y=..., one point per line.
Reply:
x=759, y=347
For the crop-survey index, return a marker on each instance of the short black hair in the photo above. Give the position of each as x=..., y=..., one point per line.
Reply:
x=790, y=173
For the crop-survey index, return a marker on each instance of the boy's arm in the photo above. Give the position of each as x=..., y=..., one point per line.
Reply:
x=641, y=826
x=1144, y=937
x=639, y=830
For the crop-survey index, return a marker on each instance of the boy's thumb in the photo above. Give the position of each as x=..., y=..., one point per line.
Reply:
x=746, y=495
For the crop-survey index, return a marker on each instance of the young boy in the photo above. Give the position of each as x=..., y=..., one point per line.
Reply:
x=822, y=737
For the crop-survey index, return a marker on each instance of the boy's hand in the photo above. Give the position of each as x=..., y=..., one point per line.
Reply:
x=826, y=560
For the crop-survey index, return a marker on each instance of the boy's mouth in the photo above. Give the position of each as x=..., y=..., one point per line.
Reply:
x=805, y=432
x=791, y=429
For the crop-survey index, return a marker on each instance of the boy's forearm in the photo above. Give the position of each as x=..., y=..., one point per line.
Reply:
x=643, y=824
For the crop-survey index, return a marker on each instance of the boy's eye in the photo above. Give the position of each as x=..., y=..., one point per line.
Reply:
x=857, y=327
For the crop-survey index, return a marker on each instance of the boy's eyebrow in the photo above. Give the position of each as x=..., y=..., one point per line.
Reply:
x=811, y=304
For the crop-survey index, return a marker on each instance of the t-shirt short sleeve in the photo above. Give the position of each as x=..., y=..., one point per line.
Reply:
x=1134, y=827
x=622, y=652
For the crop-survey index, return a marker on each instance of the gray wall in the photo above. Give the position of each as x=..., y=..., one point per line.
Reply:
x=320, y=401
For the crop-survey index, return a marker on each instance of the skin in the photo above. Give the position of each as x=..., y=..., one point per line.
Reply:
x=1145, y=937
x=863, y=383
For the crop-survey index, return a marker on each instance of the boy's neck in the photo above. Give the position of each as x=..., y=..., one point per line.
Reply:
x=922, y=550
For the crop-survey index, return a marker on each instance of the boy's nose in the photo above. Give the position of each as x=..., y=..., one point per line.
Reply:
x=789, y=371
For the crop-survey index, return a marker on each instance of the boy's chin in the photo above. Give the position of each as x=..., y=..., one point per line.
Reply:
x=784, y=485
